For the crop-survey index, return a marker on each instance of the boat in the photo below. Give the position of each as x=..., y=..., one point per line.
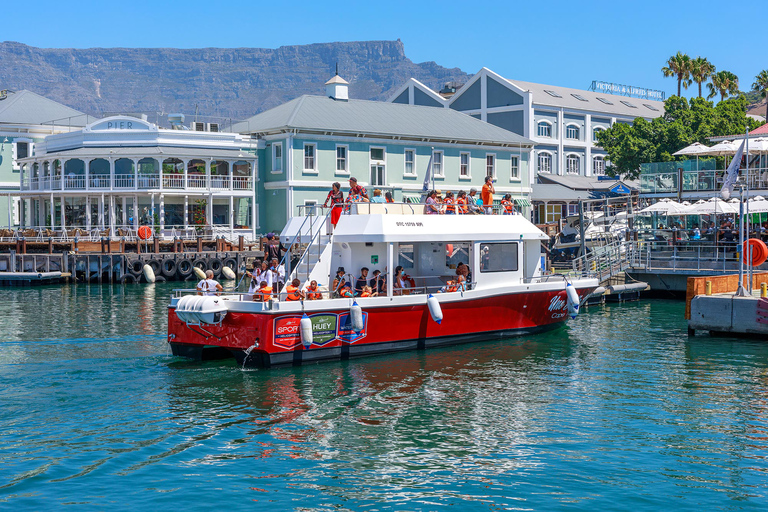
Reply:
x=507, y=292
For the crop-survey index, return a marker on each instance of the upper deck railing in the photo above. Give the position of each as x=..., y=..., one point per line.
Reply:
x=137, y=182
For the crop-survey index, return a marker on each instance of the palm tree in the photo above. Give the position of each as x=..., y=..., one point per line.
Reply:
x=761, y=86
x=723, y=82
x=679, y=66
x=701, y=70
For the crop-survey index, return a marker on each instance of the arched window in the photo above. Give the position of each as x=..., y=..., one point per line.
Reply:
x=572, y=164
x=545, y=162
x=572, y=132
x=595, y=131
x=598, y=166
x=544, y=129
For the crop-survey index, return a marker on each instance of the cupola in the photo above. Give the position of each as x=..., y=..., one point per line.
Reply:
x=337, y=88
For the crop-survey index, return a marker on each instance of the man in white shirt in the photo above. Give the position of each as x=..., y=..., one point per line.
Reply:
x=278, y=275
x=208, y=286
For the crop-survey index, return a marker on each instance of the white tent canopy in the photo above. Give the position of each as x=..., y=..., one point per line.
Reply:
x=696, y=148
x=713, y=206
x=665, y=206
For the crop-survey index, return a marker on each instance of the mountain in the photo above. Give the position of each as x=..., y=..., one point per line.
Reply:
x=222, y=83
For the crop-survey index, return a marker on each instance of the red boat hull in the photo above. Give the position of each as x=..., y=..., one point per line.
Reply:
x=272, y=338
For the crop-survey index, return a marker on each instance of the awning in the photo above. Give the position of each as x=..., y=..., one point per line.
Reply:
x=411, y=198
x=521, y=202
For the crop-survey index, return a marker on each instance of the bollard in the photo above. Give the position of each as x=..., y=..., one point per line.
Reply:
x=709, y=288
x=156, y=244
x=199, y=244
x=764, y=290
x=240, y=243
x=593, y=267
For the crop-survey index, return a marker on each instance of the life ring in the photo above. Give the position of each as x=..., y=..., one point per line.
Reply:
x=168, y=268
x=408, y=279
x=144, y=232
x=759, y=251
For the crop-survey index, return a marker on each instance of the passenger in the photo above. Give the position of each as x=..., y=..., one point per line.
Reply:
x=472, y=202
x=336, y=197
x=461, y=283
x=264, y=293
x=487, y=195
x=431, y=207
x=362, y=281
x=208, y=286
x=338, y=282
x=461, y=202
x=367, y=292
x=293, y=291
x=278, y=275
x=253, y=286
x=388, y=197
x=508, y=205
x=399, y=286
x=450, y=202
x=463, y=270
x=696, y=232
x=377, y=197
x=312, y=292
x=450, y=286
x=346, y=291
x=357, y=190
x=265, y=274
x=378, y=283
x=274, y=248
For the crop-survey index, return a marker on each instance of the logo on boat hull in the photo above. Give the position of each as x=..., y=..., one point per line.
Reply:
x=557, y=307
x=326, y=327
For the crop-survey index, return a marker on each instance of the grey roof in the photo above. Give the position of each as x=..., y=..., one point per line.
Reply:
x=377, y=118
x=143, y=151
x=576, y=182
x=26, y=107
x=541, y=97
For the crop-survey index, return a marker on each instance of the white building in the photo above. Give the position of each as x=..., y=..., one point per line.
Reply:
x=122, y=172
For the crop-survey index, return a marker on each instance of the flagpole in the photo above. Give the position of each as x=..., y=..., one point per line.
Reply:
x=741, y=291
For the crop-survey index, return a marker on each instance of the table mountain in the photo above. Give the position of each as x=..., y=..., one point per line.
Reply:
x=222, y=83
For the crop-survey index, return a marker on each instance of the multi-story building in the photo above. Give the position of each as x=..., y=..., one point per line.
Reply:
x=26, y=119
x=313, y=141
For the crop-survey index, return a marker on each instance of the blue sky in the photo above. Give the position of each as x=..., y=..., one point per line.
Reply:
x=562, y=43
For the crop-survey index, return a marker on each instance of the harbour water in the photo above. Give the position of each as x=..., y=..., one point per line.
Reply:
x=618, y=410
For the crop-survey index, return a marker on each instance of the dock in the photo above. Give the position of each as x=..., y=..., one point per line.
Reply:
x=712, y=305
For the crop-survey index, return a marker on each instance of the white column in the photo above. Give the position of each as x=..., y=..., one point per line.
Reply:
x=101, y=212
x=135, y=173
x=88, y=212
x=88, y=176
x=162, y=213
x=135, y=212
x=560, y=149
x=161, y=173
x=209, y=211
x=152, y=210
x=112, y=200
x=390, y=269
x=588, y=141
x=124, y=220
x=231, y=216
x=208, y=175
x=63, y=212
x=186, y=212
x=53, y=214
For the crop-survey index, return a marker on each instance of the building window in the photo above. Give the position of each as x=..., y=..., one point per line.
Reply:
x=544, y=129
x=410, y=162
x=22, y=149
x=572, y=164
x=597, y=130
x=598, y=166
x=464, y=165
x=490, y=165
x=378, y=178
x=437, y=164
x=498, y=257
x=514, y=167
x=572, y=132
x=277, y=157
x=377, y=154
x=545, y=162
x=309, y=157
x=341, y=159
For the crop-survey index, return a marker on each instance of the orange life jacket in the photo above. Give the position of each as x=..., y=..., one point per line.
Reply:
x=314, y=294
x=451, y=286
x=449, y=205
x=293, y=293
x=508, y=207
x=365, y=294
x=462, y=202
x=265, y=293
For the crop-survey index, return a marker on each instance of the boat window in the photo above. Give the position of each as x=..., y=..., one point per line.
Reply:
x=498, y=257
x=405, y=255
x=456, y=253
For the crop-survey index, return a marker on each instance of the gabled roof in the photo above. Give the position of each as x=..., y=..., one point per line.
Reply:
x=26, y=107
x=376, y=118
x=576, y=182
x=760, y=130
x=416, y=85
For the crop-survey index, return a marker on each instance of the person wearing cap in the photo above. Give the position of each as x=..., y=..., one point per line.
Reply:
x=487, y=195
x=357, y=192
x=338, y=282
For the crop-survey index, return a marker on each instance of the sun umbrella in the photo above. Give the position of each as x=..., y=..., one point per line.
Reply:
x=725, y=148
x=758, y=145
x=713, y=206
x=665, y=206
x=758, y=205
x=696, y=148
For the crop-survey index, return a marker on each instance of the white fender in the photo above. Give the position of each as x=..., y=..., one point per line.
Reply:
x=149, y=274
x=199, y=273
x=181, y=311
x=573, y=300
x=434, y=309
x=356, y=315
x=228, y=273
x=305, y=330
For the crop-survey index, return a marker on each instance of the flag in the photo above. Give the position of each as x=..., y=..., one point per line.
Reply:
x=427, y=177
x=731, y=174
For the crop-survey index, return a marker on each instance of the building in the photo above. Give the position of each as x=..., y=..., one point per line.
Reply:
x=121, y=172
x=555, y=197
x=563, y=123
x=25, y=119
x=313, y=141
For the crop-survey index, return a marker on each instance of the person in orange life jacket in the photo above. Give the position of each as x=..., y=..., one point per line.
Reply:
x=506, y=203
x=361, y=281
x=346, y=291
x=263, y=294
x=293, y=291
x=450, y=286
x=461, y=202
x=450, y=208
x=312, y=292
x=367, y=292
x=338, y=282
x=388, y=197
x=357, y=190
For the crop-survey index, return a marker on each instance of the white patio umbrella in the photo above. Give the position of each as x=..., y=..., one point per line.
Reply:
x=664, y=206
x=696, y=148
x=713, y=206
x=725, y=148
x=758, y=205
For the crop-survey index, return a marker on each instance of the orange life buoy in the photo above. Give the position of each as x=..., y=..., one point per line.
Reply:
x=410, y=281
x=144, y=232
x=759, y=251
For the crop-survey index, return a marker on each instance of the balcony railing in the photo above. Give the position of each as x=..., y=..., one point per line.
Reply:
x=219, y=182
x=124, y=181
x=196, y=181
x=140, y=182
x=173, y=181
x=98, y=181
x=241, y=183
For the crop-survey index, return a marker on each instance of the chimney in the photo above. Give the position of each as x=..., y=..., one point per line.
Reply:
x=337, y=88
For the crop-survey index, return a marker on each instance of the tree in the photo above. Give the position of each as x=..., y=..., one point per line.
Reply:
x=701, y=70
x=761, y=86
x=679, y=66
x=683, y=123
x=723, y=82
